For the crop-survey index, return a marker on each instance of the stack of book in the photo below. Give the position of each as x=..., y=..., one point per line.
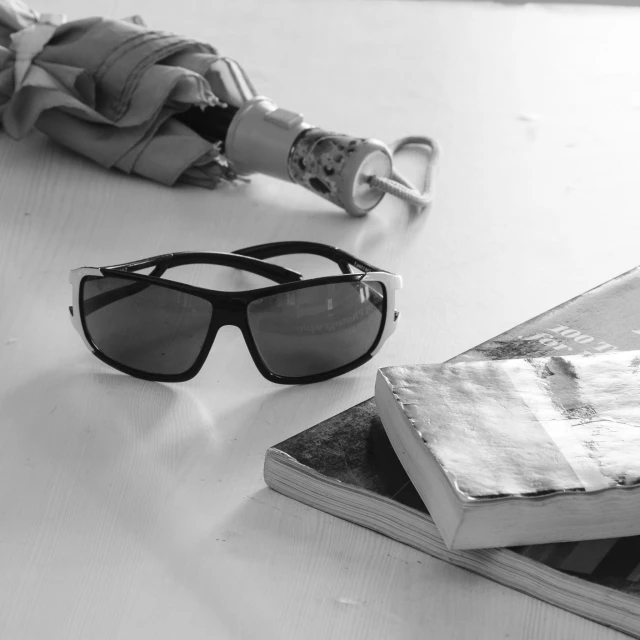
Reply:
x=518, y=460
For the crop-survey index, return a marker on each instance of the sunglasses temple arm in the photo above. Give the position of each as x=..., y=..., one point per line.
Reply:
x=269, y=271
x=234, y=260
x=109, y=297
x=273, y=249
x=343, y=259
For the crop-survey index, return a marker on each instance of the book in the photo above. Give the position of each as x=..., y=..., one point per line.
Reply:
x=520, y=452
x=346, y=467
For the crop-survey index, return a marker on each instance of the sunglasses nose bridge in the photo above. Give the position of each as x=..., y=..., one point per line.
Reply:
x=231, y=311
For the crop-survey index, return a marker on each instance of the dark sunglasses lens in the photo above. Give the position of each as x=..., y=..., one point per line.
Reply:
x=149, y=328
x=314, y=330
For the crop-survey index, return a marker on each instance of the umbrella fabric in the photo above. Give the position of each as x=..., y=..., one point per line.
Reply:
x=108, y=89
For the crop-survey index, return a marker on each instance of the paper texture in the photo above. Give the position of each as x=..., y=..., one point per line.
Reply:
x=527, y=427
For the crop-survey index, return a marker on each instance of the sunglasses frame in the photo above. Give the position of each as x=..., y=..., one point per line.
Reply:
x=231, y=307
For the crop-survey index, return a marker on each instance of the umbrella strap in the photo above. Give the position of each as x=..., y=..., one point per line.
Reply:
x=397, y=185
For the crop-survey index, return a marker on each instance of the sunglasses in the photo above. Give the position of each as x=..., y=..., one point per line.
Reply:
x=298, y=331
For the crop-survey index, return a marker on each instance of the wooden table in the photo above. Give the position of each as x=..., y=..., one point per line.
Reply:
x=133, y=510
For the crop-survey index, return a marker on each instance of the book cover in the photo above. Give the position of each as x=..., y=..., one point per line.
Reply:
x=526, y=451
x=346, y=466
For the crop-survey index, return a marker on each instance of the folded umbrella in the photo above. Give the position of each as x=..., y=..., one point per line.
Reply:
x=173, y=109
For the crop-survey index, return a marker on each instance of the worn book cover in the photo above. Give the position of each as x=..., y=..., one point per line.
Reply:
x=526, y=451
x=346, y=466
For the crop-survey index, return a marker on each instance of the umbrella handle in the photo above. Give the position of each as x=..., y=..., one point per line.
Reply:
x=339, y=168
x=353, y=173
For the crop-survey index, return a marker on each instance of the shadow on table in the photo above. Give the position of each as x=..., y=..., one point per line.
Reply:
x=261, y=211
x=348, y=568
x=155, y=462
x=131, y=448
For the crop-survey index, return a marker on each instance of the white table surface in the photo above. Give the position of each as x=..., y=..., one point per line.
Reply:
x=134, y=510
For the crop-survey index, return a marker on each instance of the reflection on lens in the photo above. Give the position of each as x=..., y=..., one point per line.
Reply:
x=317, y=329
x=149, y=328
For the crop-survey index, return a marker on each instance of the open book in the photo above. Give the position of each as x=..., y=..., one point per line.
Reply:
x=346, y=466
x=516, y=452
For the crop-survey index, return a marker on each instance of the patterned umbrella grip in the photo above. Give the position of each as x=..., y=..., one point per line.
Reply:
x=263, y=138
